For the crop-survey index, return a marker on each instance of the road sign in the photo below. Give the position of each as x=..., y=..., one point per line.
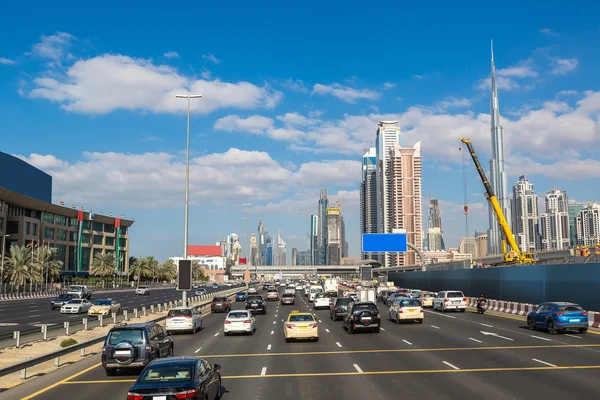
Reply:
x=184, y=275
x=384, y=242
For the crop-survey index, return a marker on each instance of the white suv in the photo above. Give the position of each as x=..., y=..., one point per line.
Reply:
x=450, y=300
x=142, y=290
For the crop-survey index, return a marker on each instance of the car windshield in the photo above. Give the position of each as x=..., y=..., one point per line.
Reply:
x=238, y=314
x=364, y=307
x=342, y=302
x=571, y=308
x=103, y=303
x=131, y=335
x=75, y=301
x=409, y=303
x=254, y=298
x=166, y=374
x=455, y=294
x=428, y=295
x=301, y=318
x=65, y=297
x=180, y=312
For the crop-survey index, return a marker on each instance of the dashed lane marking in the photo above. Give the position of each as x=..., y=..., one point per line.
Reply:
x=407, y=342
x=435, y=327
x=338, y=344
x=475, y=340
x=269, y=347
x=33, y=316
x=326, y=330
x=382, y=329
x=320, y=374
x=541, y=338
x=217, y=334
x=413, y=350
x=450, y=365
x=272, y=332
x=198, y=351
x=489, y=326
x=543, y=362
x=573, y=336
x=264, y=371
x=357, y=368
x=274, y=322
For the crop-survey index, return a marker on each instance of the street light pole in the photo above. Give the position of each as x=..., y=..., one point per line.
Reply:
x=189, y=98
x=2, y=267
x=246, y=205
x=278, y=255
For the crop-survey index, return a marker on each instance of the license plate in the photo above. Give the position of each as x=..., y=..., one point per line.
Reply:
x=122, y=353
x=218, y=304
x=366, y=319
x=411, y=310
x=574, y=320
x=302, y=327
x=159, y=398
x=456, y=302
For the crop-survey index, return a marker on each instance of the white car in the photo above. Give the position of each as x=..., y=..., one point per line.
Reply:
x=450, y=300
x=239, y=321
x=143, y=290
x=321, y=301
x=183, y=319
x=75, y=306
x=252, y=290
x=290, y=291
x=299, y=287
x=406, y=309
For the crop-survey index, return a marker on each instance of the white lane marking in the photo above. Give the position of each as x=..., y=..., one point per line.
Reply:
x=272, y=332
x=450, y=365
x=382, y=329
x=217, y=334
x=326, y=330
x=320, y=321
x=576, y=337
x=338, y=344
x=541, y=338
x=274, y=322
x=475, y=340
x=34, y=323
x=489, y=326
x=198, y=351
x=8, y=324
x=407, y=342
x=33, y=316
x=264, y=371
x=496, y=335
x=275, y=315
x=357, y=368
x=543, y=362
x=435, y=327
x=269, y=347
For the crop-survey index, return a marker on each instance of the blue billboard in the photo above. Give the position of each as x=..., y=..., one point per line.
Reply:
x=384, y=242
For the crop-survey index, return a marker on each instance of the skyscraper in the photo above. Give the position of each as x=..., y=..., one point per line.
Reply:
x=435, y=238
x=368, y=198
x=281, y=252
x=468, y=245
x=322, y=227
x=388, y=134
x=406, y=197
x=556, y=233
x=269, y=251
x=313, y=257
x=262, y=244
x=525, y=215
x=294, y=256
x=498, y=179
x=253, y=251
x=334, y=230
x=587, y=224
x=574, y=208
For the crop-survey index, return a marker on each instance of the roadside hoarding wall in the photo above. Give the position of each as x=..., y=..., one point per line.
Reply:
x=578, y=283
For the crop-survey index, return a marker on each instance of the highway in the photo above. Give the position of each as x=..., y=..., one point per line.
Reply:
x=449, y=356
x=28, y=314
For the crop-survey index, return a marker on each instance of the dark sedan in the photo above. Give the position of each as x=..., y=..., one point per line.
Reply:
x=220, y=304
x=58, y=302
x=178, y=378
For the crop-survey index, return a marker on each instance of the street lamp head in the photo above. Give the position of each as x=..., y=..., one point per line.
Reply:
x=188, y=96
x=246, y=204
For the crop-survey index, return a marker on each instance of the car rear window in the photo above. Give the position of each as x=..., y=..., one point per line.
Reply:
x=455, y=294
x=363, y=307
x=131, y=335
x=220, y=299
x=254, y=298
x=342, y=302
x=571, y=308
x=301, y=318
x=65, y=297
x=166, y=374
x=179, y=313
x=238, y=314
x=410, y=303
x=103, y=303
x=288, y=295
x=429, y=295
x=272, y=290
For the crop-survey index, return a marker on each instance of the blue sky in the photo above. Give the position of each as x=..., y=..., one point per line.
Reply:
x=292, y=94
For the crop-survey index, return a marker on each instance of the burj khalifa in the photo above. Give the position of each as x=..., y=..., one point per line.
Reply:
x=498, y=177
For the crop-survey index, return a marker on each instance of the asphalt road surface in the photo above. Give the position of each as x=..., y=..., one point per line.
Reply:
x=30, y=313
x=450, y=356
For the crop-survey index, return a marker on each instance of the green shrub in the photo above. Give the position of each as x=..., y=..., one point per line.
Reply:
x=68, y=342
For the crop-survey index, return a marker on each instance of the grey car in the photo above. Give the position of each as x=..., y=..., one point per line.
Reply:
x=60, y=300
x=338, y=307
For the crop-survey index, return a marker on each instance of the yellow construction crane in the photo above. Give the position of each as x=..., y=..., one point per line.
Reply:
x=514, y=256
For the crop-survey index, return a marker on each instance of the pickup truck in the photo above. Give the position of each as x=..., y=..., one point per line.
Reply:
x=79, y=292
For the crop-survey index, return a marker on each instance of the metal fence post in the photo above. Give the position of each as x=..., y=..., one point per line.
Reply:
x=144, y=311
x=17, y=335
x=24, y=373
x=152, y=309
x=57, y=362
x=158, y=307
x=82, y=353
x=114, y=317
x=45, y=332
x=135, y=313
x=85, y=326
x=125, y=315
x=66, y=326
x=100, y=320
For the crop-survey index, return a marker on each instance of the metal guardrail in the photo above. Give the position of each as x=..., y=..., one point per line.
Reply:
x=22, y=366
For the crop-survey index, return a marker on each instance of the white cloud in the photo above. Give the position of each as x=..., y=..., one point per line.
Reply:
x=345, y=93
x=564, y=168
x=557, y=106
x=549, y=32
x=295, y=85
x=340, y=172
x=254, y=124
x=206, y=74
x=501, y=82
x=417, y=76
x=389, y=85
x=210, y=57
x=506, y=78
x=6, y=61
x=563, y=66
x=295, y=119
x=453, y=102
x=171, y=54
x=52, y=47
x=520, y=71
x=304, y=203
x=105, y=83
x=568, y=93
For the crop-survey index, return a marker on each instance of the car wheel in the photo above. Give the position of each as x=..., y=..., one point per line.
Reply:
x=551, y=328
x=583, y=330
x=530, y=324
x=287, y=340
x=420, y=321
x=463, y=310
x=317, y=339
x=110, y=371
x=377, y=330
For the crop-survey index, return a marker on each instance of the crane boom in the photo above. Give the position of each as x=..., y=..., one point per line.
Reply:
x=491, y=197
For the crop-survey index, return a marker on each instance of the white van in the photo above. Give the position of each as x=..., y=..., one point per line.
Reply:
x=314, y=290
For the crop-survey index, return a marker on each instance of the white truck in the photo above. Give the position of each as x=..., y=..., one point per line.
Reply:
x=80, y=291
x=330, y=285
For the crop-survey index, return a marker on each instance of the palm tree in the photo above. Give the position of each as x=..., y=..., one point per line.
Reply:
x=132, y=259
x=140, y=268
x=168, y=270
x=104, y=265
x=198, y=272
x=153, y=266
x=46, y=262
x=20, y=265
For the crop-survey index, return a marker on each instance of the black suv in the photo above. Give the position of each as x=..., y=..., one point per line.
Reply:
x=362, y=315
x=256, y=304
x=338, y=307
x=61, y=299
x=134, y=346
